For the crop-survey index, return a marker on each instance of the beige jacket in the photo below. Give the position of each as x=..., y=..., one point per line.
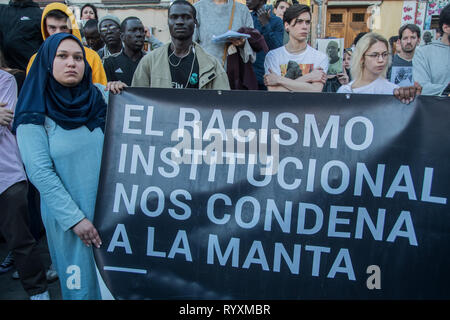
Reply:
x=154, y=71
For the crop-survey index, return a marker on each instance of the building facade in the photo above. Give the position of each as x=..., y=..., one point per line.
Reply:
x=345, y=19
x=153, y=13
x=331, y=18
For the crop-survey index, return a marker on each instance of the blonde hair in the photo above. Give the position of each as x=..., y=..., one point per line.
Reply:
x=364, y=44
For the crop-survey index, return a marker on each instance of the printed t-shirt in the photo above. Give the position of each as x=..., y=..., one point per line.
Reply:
x=277, y=60
x=184, y=71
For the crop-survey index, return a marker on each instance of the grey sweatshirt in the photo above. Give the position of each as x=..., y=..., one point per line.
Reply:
x=431, y=67
x=214, y=19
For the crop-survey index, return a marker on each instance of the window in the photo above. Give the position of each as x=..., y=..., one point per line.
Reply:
x=336, y=17
x=358, y=17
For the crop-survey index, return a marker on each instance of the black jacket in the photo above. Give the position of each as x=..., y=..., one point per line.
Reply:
x=20, y=32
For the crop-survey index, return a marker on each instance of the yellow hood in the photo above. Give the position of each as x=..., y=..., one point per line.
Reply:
x=61, y=7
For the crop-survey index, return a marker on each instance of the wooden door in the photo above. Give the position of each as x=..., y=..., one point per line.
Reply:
x=346, y=23
x=357, y=22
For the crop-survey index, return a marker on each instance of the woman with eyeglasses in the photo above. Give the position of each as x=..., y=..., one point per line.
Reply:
x=369, y=64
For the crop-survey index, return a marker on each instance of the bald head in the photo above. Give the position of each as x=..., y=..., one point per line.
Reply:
x=333, y=49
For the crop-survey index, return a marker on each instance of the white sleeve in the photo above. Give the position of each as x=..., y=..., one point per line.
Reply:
x=271, y=62
x=345, y=89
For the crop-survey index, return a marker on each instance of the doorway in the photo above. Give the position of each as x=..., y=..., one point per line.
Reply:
x=346, y=23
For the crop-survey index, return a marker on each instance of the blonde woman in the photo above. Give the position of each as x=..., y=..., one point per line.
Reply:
x=370, y=61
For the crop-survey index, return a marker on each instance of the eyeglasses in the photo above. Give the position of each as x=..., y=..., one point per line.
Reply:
x=377, y=55
x=110, y=27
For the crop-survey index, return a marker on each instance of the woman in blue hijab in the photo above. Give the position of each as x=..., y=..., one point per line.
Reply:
x=59, y=120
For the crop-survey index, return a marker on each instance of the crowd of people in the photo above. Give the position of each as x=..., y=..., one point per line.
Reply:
x=56, y=74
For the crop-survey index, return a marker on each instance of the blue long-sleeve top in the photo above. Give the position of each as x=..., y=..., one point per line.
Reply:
x=273, y=35
x=64, y=165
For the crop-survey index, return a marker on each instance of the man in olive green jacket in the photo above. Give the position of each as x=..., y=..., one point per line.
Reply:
x=181, y=63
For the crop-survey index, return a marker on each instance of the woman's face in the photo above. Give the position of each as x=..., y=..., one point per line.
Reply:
x=88, y=13
x=376, y=58
x=68, y=65
x=347, y=60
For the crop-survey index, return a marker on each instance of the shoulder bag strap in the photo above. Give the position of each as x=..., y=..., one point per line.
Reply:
x=225, y=49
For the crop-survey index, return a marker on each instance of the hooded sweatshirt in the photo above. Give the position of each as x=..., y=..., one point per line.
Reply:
x=19, y=32
x=431, y=67
x=98, y=73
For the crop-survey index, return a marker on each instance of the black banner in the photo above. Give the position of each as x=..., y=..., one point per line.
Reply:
x=258, y=195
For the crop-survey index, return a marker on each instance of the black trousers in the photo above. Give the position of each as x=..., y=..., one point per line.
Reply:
x=14, y=225
x=34, y=210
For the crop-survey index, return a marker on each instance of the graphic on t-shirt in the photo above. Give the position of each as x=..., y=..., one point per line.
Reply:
x=402, y=76
x=185, y=71
x=304, y=68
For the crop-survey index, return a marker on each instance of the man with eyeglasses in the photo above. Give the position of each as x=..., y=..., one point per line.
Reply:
x=109, y=28
x=296, y=66
x=122, y=66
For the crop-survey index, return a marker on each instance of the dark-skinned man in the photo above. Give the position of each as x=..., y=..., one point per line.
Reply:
x=272, y=28
x=181, y=63
x=121, y=67
x=92, y=36
x=109, y=28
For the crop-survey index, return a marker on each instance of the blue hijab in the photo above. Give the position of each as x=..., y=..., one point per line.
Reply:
x=42, y=95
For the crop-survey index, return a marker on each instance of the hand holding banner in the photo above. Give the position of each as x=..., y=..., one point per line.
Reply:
x=234, y=195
